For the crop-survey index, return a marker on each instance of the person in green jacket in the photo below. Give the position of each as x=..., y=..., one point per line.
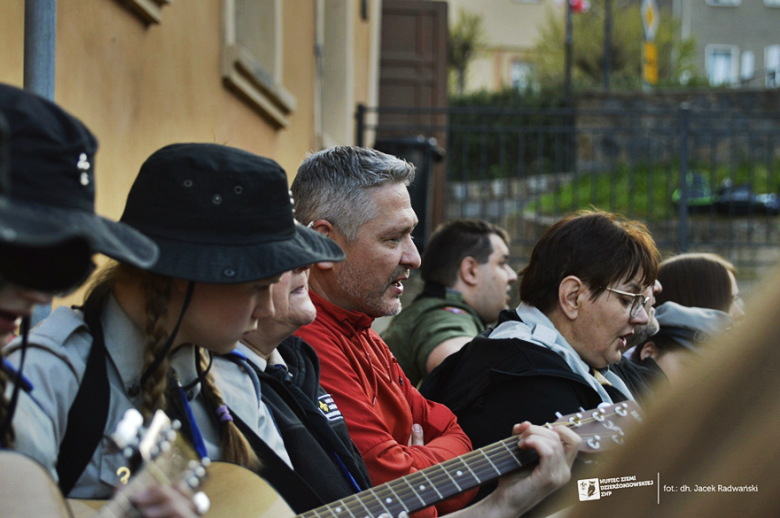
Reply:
x=467, y=278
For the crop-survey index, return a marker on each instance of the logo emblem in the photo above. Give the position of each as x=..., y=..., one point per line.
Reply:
x=588, y=489
x=329, y=408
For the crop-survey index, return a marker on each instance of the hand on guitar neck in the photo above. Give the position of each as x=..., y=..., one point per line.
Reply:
x=556, y=447
x=161, y=501
x=534, y=462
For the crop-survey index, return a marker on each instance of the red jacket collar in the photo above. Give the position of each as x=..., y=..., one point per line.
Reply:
x=334, y=313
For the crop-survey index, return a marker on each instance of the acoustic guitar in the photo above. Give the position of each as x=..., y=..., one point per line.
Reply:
x=236, y=492
x=27, y=489
x=163, y=454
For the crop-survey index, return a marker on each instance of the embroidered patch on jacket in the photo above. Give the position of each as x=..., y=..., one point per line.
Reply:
x=329, y=408
x=457, y=311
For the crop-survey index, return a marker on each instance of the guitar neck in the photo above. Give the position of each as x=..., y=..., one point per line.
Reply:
x=600, y=429
x=434, y=484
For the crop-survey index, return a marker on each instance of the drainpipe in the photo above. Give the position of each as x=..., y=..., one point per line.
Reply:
x=40, y=42
x=40, y=35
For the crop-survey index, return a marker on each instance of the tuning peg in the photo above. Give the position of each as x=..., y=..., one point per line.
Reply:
x=176, y=424
x=582, y=409
x=558, y=415
x=127, y=429
x=598, y=415
x=594, y=443
x=621, y=410
x=202, y=502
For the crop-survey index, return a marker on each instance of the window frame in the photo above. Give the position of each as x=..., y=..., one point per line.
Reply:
x=767, y=68
x=150, y=11
x=242, y=73
x=724, y=3
x=735, y=55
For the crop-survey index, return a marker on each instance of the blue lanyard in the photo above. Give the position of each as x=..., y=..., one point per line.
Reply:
x=26, y=384
x=197, y=437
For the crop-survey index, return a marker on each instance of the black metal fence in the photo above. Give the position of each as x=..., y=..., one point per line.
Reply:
x=699, y=179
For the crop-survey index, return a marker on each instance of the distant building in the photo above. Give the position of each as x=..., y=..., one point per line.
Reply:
x=737, y=41
x=278, y=78
x=512, y=28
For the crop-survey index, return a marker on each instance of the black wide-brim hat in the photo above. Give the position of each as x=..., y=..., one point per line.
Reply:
x=221, y=215
x=47, y=195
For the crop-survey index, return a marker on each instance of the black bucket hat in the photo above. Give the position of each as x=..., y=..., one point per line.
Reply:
x=48, y=225
x=221, y=215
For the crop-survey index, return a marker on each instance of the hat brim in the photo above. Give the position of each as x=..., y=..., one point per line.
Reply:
x=38, y=225
x=56, y=268
x=233, y=264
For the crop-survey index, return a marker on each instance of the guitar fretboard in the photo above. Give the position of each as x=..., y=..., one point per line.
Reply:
x=434, y=484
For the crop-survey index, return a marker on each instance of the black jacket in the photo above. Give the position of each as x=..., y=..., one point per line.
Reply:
x=492, y=384
x=314, y=432
x=642, y=377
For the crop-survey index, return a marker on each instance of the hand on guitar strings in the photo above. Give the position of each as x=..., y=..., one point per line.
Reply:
x=162, y=501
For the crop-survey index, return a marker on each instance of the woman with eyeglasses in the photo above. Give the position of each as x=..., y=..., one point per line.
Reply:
x=582, y=295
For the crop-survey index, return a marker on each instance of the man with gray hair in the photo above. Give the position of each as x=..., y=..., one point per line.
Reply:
x=358, y=197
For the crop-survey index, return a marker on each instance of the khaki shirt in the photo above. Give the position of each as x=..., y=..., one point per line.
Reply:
x=56, y=360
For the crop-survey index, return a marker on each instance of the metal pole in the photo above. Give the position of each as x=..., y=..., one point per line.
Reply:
x=682, y=207
x=40, y=41
x=607, y=42
x=360, y=126
x=568, y=47
x=40, y=45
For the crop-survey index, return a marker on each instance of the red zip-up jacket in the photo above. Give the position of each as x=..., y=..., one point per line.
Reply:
x=379, y=403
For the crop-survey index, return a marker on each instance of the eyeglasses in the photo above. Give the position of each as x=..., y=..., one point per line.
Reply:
x=637, y=303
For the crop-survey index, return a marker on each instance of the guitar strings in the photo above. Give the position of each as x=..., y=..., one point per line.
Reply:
x=484, y=462
x=482, y=465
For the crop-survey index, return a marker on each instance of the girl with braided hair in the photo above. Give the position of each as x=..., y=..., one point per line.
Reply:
x=222, y=220
x=48, y=234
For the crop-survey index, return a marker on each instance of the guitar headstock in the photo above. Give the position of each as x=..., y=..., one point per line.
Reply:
x=604, y=427
x=166, y=456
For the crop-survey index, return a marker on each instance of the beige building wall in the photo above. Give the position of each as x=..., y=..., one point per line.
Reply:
x=512, y=28
x=139, y=87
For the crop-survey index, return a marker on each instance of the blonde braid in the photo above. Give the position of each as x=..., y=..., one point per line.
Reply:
x=235, y=447
x=157, y=296
x=7, y=441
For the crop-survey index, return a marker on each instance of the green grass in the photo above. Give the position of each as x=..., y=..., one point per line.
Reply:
x=645, y=192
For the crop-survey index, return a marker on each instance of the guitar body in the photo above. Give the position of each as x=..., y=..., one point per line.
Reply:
x=234, y=491
x=26, y=489
x=237, y=492
x=85, y=508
